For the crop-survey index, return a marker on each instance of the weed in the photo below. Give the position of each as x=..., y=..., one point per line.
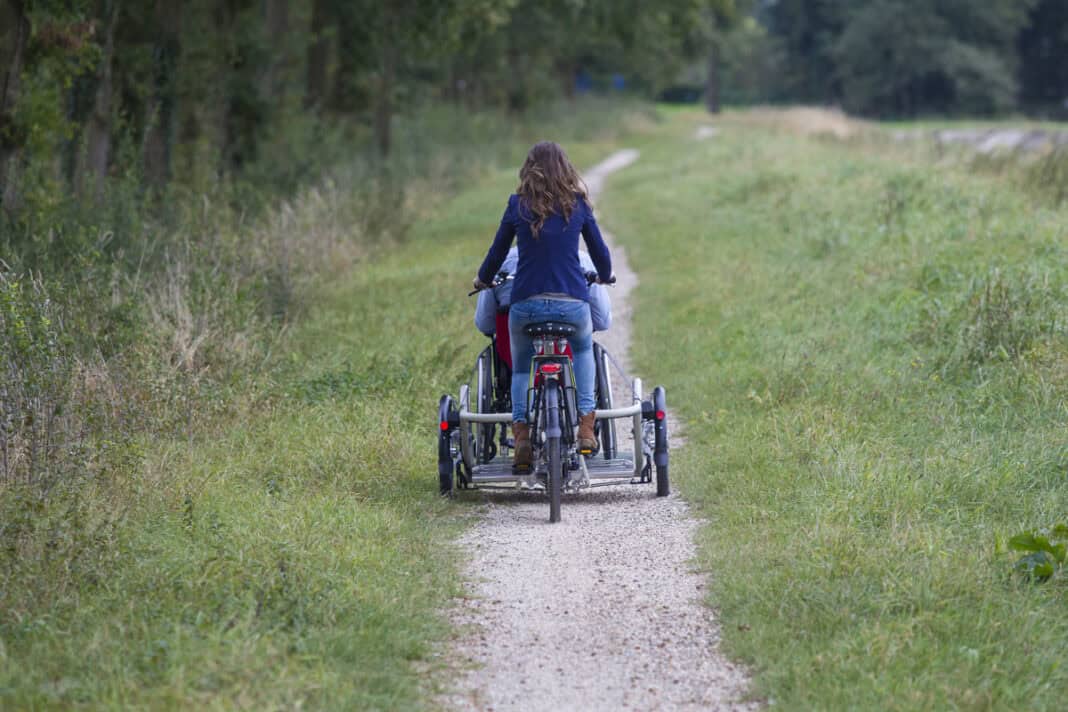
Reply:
x=1049, y=174
x=998, y=316
x=1045, y=557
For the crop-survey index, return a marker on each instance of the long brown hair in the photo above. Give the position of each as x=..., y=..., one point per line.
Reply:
x=548, y=184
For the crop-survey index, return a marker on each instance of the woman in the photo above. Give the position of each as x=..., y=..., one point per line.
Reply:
x=547, y=214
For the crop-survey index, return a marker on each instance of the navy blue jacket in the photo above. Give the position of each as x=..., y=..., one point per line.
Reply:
x=549, y=263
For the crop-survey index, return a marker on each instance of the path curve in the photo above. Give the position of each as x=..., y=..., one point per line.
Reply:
x=601, y=611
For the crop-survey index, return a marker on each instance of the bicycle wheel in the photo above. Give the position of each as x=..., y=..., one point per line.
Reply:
x=552, y=445
x=484, y=446
x=606, y=429
x=660, y=448
x=446, y=464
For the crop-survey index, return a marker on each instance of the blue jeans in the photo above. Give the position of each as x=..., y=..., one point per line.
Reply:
x=533, y=311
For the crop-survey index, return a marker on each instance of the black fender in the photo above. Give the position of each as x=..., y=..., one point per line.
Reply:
x=448, y=420
x=660, y=449
x=552, y=409
x=660, y=446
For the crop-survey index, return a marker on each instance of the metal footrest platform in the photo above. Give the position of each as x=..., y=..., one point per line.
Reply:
x=500, y=470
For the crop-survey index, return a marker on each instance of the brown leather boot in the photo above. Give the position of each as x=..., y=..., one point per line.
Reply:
x=523, y=454
x=587, y=441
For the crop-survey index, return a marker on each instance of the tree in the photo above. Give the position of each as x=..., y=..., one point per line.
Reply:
x=13, y=51
x=900, y=57
x=98, y=139
x=1043, y=51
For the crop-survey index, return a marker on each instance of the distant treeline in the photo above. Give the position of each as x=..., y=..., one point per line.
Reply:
x=151, y=94
x=903, y=58
x=187, y=92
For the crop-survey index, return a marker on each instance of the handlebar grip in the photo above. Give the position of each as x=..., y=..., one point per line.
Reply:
x=591, y=278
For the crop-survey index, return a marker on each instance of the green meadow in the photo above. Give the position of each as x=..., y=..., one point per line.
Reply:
x=868, y=348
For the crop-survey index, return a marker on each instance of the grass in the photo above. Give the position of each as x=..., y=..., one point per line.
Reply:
x=872, y=352
x=295, y=559
x=286, y=547
x=873, y=355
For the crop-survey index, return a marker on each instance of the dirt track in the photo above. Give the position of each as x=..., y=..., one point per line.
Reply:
x=599, y=612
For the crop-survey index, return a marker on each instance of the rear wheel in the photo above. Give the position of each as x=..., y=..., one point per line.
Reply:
x=556, y=478
x=553, y=438
x=606, y=429
x=660, y=447
x=446, y=463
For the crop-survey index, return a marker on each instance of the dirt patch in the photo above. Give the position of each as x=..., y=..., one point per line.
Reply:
x=803, y=120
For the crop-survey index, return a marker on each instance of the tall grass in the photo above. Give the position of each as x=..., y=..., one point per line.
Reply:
x=868, y=349
x=249, y=520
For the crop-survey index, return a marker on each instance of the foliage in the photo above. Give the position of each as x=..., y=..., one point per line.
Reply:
x=908, y=57
x=1044, y=557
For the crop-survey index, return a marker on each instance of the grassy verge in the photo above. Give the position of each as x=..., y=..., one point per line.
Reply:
x=286, y=548
x=870, y=354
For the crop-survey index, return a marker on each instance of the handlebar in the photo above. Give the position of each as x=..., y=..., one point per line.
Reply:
x=503, y=276
x=592, y=278
x=500, y=279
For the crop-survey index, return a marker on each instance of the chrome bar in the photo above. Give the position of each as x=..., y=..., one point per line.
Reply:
x=620, y=412
x=468, y=416
x=638, y=454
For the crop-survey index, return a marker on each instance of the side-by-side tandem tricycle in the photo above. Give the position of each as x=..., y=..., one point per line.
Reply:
x=475, y=443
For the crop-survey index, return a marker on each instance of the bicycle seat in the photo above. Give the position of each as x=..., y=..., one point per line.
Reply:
x=550, y=328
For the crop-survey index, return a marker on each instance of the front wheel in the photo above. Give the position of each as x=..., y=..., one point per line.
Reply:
x=485, y=448
x=606, y=428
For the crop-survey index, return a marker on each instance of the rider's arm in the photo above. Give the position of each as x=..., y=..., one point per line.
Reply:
x=486, y=312
x=595, y=245
x=499, y=249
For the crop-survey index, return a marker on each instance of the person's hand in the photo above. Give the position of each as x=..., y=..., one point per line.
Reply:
x=478, y=284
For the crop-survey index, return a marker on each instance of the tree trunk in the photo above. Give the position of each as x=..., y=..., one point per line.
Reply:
x=712, y=83
x=384, y=103
x=98, y=141
x=276, y=20
x=161, y=108
x=318, y=53
x=387, y=58
x=10, y=142
x=351, y=41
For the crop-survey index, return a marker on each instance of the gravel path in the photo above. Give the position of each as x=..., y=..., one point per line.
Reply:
x=601, y=611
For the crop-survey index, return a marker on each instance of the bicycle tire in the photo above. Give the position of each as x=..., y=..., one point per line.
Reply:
x=556, y=479
x=446, y=465
x=486, y=448
x=606, y=428
x=660, y=448
x=553, y=440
